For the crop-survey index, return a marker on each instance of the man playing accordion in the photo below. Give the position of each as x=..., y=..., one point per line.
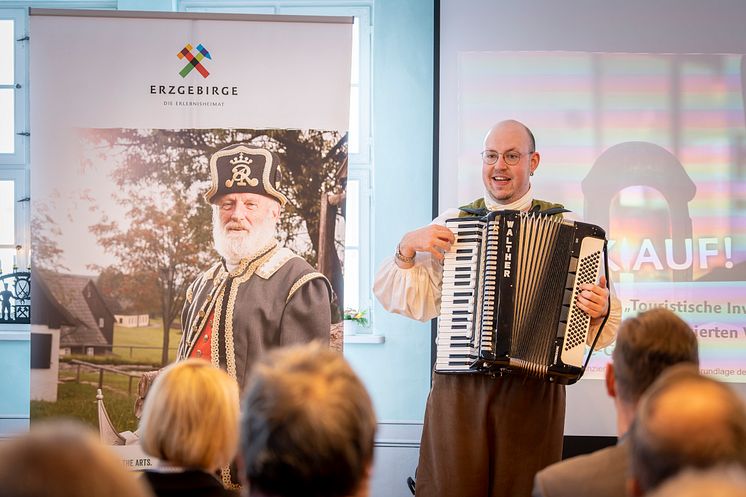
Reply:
x=486, y=434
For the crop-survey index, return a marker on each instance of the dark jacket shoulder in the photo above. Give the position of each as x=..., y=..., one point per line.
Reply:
x=602, y=472
x=192, y=483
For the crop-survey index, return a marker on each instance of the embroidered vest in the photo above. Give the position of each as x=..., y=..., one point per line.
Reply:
x=479, y=208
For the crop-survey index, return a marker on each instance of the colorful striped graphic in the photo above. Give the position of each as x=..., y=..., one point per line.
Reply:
x=194, y=61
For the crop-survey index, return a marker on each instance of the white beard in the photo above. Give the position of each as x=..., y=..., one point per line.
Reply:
x=234, y=246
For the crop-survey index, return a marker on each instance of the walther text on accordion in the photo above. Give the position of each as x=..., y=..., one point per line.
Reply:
x=509, y=295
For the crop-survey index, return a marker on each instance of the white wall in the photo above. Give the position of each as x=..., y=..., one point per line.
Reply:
x=15, y=347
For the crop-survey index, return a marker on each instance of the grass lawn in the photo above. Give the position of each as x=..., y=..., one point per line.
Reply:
x=78, y=400
x=116, y=383
x=150, y=336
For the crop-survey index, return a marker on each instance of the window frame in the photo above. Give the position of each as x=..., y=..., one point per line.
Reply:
x=363, y=247
x=20, y=85
x=14, y=166
x=18, y=176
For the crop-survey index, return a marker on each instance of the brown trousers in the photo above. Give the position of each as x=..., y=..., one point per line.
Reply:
x=487, y=436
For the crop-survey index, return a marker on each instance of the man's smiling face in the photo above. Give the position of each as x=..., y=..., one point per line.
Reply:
x=507, y=183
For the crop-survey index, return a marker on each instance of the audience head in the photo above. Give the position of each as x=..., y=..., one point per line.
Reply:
x=645, y=346
x=308, y=426
x=685, y=420
x=720, y=481
x=190, y=417
x=63, y=459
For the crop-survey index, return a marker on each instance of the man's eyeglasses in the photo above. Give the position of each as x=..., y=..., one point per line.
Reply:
x=511, y=158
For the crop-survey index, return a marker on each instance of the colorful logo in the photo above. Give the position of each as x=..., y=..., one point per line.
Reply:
x=194, y=61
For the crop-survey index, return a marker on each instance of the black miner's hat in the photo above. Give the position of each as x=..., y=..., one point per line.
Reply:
x=244, y=169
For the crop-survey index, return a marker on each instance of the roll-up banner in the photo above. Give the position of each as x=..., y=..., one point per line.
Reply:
x=126, y=110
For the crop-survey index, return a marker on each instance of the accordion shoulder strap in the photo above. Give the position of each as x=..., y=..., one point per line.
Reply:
x=547, y=208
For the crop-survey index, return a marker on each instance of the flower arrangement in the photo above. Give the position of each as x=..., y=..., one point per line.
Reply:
x=356, y=316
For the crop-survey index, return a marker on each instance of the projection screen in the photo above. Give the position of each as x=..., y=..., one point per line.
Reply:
x=638, y=113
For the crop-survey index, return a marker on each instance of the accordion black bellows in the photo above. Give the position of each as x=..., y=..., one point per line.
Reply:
x=508, y=297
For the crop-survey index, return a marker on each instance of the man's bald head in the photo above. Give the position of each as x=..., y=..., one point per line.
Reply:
x=508, y=123
x=686, y=420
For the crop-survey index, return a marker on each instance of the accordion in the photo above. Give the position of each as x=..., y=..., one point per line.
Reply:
x=508, y=298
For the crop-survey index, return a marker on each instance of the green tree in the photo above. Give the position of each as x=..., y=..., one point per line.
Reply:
x=158, y=246
x=133, y=293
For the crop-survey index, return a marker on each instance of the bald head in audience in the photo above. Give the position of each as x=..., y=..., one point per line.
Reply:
x=308, y=426
x=63, y=459
x=685, y=420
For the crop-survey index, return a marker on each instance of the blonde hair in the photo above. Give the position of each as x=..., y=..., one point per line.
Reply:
x=63, y=459
x=190, y=417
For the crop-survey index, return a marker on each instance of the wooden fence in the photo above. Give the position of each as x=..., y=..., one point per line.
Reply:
x=101, y=368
